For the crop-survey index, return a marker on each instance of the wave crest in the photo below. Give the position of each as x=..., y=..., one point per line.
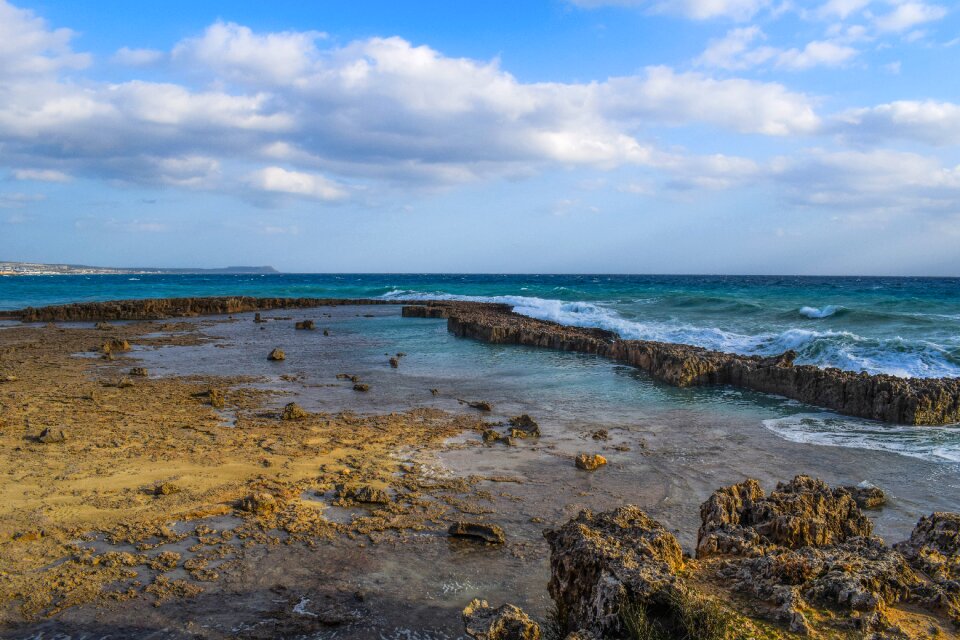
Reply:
x=816, y=314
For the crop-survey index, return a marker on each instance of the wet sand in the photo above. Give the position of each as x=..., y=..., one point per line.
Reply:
x=312, y=568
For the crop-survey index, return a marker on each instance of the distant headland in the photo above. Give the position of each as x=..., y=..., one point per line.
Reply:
x=41, y=269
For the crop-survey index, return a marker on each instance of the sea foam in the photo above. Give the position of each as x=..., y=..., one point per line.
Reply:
x=816, y=314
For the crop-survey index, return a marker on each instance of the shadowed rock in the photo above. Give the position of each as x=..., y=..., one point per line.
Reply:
x=292, y=411
x=277, y=355
x=483, y=622
x=478, y=531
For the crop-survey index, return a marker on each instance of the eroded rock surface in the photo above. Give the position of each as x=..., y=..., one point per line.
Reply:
x=508, y=622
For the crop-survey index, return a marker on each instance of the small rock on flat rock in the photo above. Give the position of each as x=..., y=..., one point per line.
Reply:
x=361, y=386
x=488, y=533
x=483, y=622
x=481, y=405
x=259, y=503
x=165, y=489
x=49, y=436
x=293, y=411
x=868, y=496
x=590, y=462
x=489, y=435
x=363, y=493
x=114, y=345
x=276, y=355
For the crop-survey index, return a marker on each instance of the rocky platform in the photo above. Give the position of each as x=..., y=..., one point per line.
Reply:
x=799, y=562
x=914, y=401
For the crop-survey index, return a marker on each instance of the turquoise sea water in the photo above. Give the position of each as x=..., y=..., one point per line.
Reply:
x=902, y=326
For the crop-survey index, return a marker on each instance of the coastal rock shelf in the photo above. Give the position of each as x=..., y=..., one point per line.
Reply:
x=913, y=401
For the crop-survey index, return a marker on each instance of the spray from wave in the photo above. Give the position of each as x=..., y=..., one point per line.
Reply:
x=815, y=314
x=826, y=348
x=937, y=444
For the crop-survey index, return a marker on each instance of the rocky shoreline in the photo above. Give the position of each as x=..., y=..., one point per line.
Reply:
x=911, y=401
x=802, y=558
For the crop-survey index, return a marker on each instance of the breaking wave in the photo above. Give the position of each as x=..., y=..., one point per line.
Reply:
x=826, y=348
x=815, y=314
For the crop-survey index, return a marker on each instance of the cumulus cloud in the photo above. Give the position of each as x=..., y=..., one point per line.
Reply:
x=930, y=122
x=297, y=183
x=736, y=50
x=906, y=15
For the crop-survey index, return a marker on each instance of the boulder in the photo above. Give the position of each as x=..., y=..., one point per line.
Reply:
x=483, y=622
x=477, y=531
x=257, y=318
x=362, y=387
x=363, y=493
x=305, y=325
x=139, y=372
x=277, y=355
x=742, y=520
x=394, y=362
x=166, y=489
x=114, y=345
x=590, y=462
x=867, y=496
x=293, y=411
x=260, y=503
x=523, y=426
x=934, y=547
x=481, y=405
x=602, y=565
x=490, y=436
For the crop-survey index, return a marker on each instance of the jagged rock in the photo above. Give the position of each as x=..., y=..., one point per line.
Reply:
x=602, y=564
x=524, y=427
x=361, y=386
x=260, y=503
x=140, y=372
x=276, y=355
x=114, y=345
x=481, y=405
x=51, y=436
x=490, y=436
x=483, y=622
x=742, y=520
x=293, y=411
x=867, y=496
x=600, y=434
x=166, y=489
x=590, y=462
x=305, y=325
x=487, y=533
x=363, y=493
x=934, y=547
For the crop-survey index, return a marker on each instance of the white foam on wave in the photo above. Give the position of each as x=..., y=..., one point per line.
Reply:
x=815, y=314
x=826, y=348
x=936, y=444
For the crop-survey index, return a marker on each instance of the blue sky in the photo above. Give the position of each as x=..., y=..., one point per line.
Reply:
x=630, y=136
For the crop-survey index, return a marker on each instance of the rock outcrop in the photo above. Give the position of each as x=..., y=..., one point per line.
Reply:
x=292, y=412
x=477, y=531
x=802, y=558
x=888, y=398
x=483, y=622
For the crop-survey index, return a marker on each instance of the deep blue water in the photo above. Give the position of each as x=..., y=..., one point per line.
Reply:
x=903, y=326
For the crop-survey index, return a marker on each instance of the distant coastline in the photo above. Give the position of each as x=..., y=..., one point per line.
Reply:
x=43, y=269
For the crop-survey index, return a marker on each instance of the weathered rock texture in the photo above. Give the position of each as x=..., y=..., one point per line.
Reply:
x=158, y=308
x=879, y=397
x=483, y=622
x=802, y=557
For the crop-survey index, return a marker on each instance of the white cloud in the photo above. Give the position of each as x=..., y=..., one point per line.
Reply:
x=297, y=183
x=907, y=15
x=41, y=175
x=842, y=8
x=736, y=51
x=930, y=122
x=137, y=57
x=28, y=46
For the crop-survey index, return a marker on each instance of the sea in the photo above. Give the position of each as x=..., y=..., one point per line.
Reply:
x=896, y=325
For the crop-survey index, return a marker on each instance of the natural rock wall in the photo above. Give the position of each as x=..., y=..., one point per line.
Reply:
x=879, y=397
x=157, y=308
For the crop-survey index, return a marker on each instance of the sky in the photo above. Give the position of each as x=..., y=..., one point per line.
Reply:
x=553, y=136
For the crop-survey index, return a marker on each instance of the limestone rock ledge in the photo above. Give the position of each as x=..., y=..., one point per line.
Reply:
x=799, y=562
x=915, y=401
